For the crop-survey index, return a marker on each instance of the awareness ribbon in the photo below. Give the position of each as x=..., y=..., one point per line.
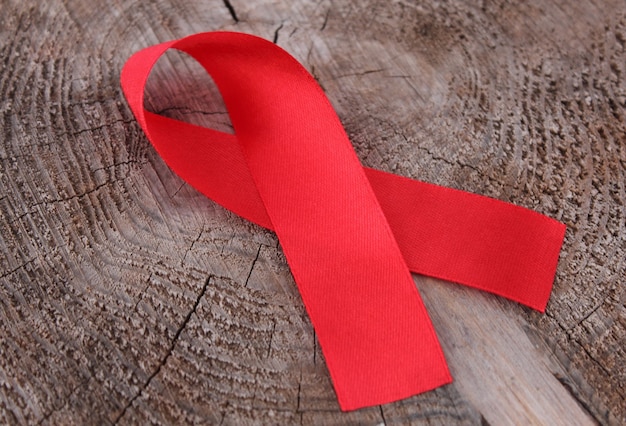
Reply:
x=351, y=235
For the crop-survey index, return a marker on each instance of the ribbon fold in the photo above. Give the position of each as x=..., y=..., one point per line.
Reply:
x=351, y=235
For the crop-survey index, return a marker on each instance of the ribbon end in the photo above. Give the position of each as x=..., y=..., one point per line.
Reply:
x=351, y=403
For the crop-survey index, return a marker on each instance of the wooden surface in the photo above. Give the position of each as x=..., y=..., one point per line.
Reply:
x=126, y=297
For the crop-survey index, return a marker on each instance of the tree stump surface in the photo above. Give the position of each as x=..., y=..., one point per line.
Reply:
x=127, y=297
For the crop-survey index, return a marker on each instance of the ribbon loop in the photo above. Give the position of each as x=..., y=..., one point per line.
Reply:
x=348, y=232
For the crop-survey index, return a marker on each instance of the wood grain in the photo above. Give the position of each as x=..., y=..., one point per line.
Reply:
x=127, y=297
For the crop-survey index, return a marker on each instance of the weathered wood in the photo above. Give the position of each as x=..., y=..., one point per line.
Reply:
x=126, y=297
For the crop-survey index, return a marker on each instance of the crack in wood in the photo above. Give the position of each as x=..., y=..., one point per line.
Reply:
x=121, y=163
x=167, y=354
x=258, y=252
x=326, y=19
x=269, y=346
x=452, y=163
x=14, y=270
x=358, y=74
x=231, y=10
x=94, y=129
x=275, y=40
x=598, y=363
x=382, y=415
x=63, y=200
x=591, y=312
x=143, y=292
x=182, y=262
x=178, y=190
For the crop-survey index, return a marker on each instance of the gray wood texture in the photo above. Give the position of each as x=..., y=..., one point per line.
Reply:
x=128, y=298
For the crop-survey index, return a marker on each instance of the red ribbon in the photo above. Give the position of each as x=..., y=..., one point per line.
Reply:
x=350, y=234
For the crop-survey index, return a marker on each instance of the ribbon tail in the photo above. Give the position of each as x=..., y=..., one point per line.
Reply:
x=471, y=239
